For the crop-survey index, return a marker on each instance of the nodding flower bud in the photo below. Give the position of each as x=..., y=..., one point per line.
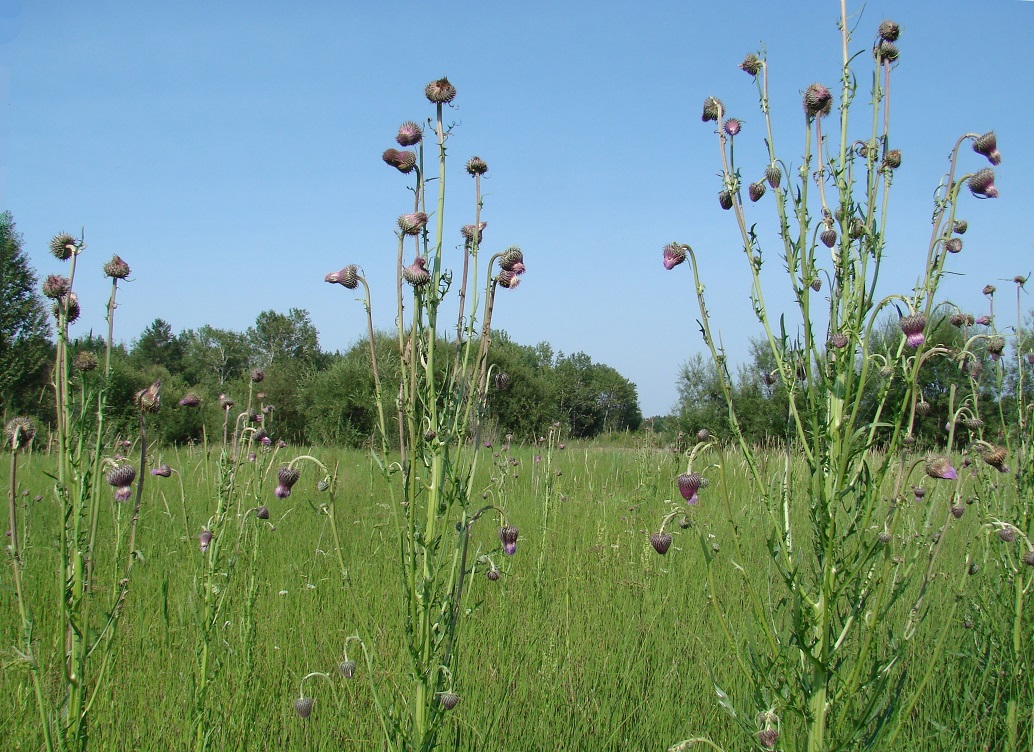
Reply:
x=162, y=471
x=751, y=64
x=816, y=284
x=661, y=542
x=768, y=738
x=1006, y=534
x=892, y=159
x=995, y=457
x=768, y=378
x=303, y=706
x=85, y=361
x=913, y=326
x=960, y=226
x=773, y=175
x=449, y=700
x=828, y=237
x=122, y=475
x=225, y=402
x=886, y=52
x=817, y=101
x=988, y=146
x=755, y=191
x=502, y=381
x=70, y=304
x=347, y=277
x=732, y=126
x=18, y=433
x=923, y=408
x=409, y=134
x=415, y=274
x=116, y=268
x=204, y=539
x=959, y=320
x=512, y=260
x=55, y=286
x=440, y=91
x=286, y=477
x=190, y=400
x=839, y=340
x=713, y=109
x=982, y=184
x=476, y=166
x=63, y=246
x=468, y=232
x=689, y=484
x=940, y=468
x=508, y=537
x=262, y=512
x=412, y=224
x=953, y=245
x=149, y=399
x=995, y=346
x=889, y=30
x=725, y=199
x=674, y=254
x=403, y=161
x=508, y=279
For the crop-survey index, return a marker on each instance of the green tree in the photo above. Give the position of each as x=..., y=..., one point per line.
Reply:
x=157, y=345
x=278, y=337
x=24, y=329
x=215, y=356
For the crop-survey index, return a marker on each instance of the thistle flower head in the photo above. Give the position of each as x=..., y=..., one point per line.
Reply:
x=257, y=375
x=468, y=232
x=512, y=260
x=768, y=738
x=1028, y=558
x=403, y=161
x=995, y=457
x=661, y=542
x=987, y=145
x=828, y=237
x=116, y=268
x=1006, y=534
x=713, y=109
x=409, y=134
x=984, y=320
x=751, y=64
x=922, y=408
x=919, y=493
x=982, y=184
x=18, y=432
x=476, y=166
x=502, y=381
x=149, y=399
x=416, y=274
x=204, y=539
x=493, y=574
x=69, y=303
x=347, y=277
x=689, y=484
x=449, y=700
x=755, y=191
x=995, y=346
x=913, y=326
x=286, y=477
x=940, y=468
x=817, y=101
x=957, y=510
x=85, y=361
x=347, y=668
x=190, y=399
x=412, y=224
x=121, y=475
x=838, y=340
x=508, y=537
x=889, y=31
x=725, y=199
x=989, y=291
x=886, y=52
x=262, y=512
x=303, y=706
x=123, y=493
x=63, y=246
x=440, y=91
x=892, y=159
x=55, y=286
x=953, y=245
x=960, y=226
x=508, y=279
x=674, y=254
x=732, y=126
x=962, y=319
x=162, y=471
x=773, y=175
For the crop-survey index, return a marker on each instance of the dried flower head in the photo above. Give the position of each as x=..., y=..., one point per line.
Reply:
x=913, y=326
x=412, y=224
x=476, y=166
x=751, y=64
x=995, y=346
x=957, y=510
x=892, y=159
x=63, y=246
x=468, y=232
x=1028, y=558
x=995, y=457
x=18, y=432
x=85, y=361
x=502, y=381
x=70, y=304
x=225, y=402
x=755, y=191
x=987, y=145
x=149, y=399
x=661, y=542
x=889, y=30
x=347, y=277
x=982, y=184
x=713, y=109
x=1006, y=534
x=440, y=91
x=416, y=274
x=190, y=399
x=55, y=286
x=960, y=226
x=508, y=537
x=493, y=574
x=286, y=477
x=768, y=738
x=409, y=134
x=116, y=268
x=689, y=484
x=940, y=468
x=817, y=101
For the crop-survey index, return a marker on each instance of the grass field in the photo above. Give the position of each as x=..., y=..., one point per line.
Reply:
x=588, y=640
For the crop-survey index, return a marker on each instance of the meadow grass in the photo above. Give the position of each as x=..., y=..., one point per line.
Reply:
x=609, y=646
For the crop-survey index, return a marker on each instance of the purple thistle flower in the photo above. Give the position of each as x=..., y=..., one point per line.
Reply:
x=416, y=274
x=409, y=134
x=987, y=145
x=204, y=539
x=440, y=91
x=347, y=277
x=817, y=101
x=689, y=484
x=286, y=478
x=190, y=400
x=412, y=224
x=913, y=326
x=732, y=126
x=123, y=493
x=162, y=471
x=508, y=279
x=674, y=254
x=940, y=468
x=508, y=537
x=982, y=184
x=122, y=475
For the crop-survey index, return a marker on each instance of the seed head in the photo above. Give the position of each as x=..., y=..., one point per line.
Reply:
x=85, y=361
x=987, y=145
x=755, y=191
x=286, y=477
x=409, y=134
x=892, y=159
x=440, y=91
x=347, y=277
x=449, y=700
x=468, y=232
x=817, y=101
x=713, y=109
x=116, y=268
x=689, y=484
x=190, y=399
x=63, y=246
x=995, y=346
x=889, y=31
x=751, y=64
x=56, y=286
x=828, y=237
x=732, y=126
x=509, y=280
x=262, y=512
x=661, y=542
x=122, y=475
x=18, y=433
x=162, y=471
x=347, y=668
x=940, y=468
x=725, y=199
x=913, y=326
x=412, y=224
x=303, y=706
x=415, y=274
x=149, y=399
x=982, y=184
x=1006, y=534
x=508, y=536
x=476, y=166
x=512, y=260
x=773, y=175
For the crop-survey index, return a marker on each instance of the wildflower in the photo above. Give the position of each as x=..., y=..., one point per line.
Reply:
x=116, y=268
x=508, y=536
x=953, y=245
x=502, y=381
x=70, y=304
x=913, y=326
x=1028, y=558
x=262, y=512
x=18, y=433
x=839, y=340
x=440, y=91
x=149, y=399
x=493, y=574
x=347, y=277
x=409, y=134
x=85, y=361
x=661, y=542
x=732, y=126
x=121, y=475
x=509, y=280
x=703, y=434
x=987, y=145
x=889, y=31
x=940, y=468
x=755, y=191
x=773, y=175
x=286, y=477
x=918, y=492
x=449, y=700
x=162, y=471
x=512, y=260
x=347, y=668
x=973, y=424
x=884, y=537
x=257, y=375
x=725, y=199
x=984, y=320
x=886, y=52
x=412, y=224
x=768, y=737
x=476, y=166
x=674, y=254
x=225, y=402
x=960, y=226
x=996, y=457
x=415, y=274
x=982, y=184
x=995, y=346
x=828, y=237
x=63, y=246
x=190, y=400
x=468, y=232
x=751, y=64
x=1007, y=534
x=689, y=484
x=817, y=101
x=403, y=161
x=713, y=109
x=922, y=408
x=959, y=320
x=957, y=510
x=303, y=706
x=55, y=286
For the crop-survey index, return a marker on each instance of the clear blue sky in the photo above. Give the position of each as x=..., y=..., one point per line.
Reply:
x=230, y=152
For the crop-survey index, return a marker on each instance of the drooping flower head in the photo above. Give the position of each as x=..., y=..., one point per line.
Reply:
x=468, y=232
x=286, y=478
x=303, y=706
x=713, y=109
x=512, y=260
x=751, y=64
x=689, y=484
x=476, y=166
x=817, y=101
x=940, y=468
x=755, y=191
x=162, y=471
x=982, y=184
x=149, y=399
x=674, y=254
x=416, y=274
x=913, y=326
x=18, y=433
x=190, y=399
x=661, y=542
x=412, y=224
x=508, y=537
x=347, y=277
x=987, y=145
x=63, y=246
x=508, y=279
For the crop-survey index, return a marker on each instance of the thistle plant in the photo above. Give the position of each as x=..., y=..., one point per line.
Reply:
x=443, y=387
x=825, y=652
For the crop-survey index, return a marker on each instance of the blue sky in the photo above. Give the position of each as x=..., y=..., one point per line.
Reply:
x=230, y=152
